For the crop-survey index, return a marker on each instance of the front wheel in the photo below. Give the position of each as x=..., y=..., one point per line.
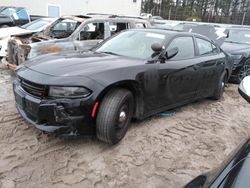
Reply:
x=114, y=116
x=219, y=90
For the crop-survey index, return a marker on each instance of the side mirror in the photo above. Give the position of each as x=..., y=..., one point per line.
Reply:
x=171, y=53
x=157, y=48
x=244, y=88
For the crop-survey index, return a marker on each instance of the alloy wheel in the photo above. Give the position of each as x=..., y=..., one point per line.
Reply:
x=244, y=71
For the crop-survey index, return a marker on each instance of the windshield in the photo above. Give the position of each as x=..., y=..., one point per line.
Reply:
x=36, y=25
x=135, y=44
x=7, y=11
x=239, y=36
x=64, y=28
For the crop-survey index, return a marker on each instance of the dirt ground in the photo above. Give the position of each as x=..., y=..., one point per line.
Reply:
x=161, y=151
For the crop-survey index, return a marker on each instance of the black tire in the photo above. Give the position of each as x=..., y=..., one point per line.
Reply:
x=114, y=115
x=243, y=72
x=218, y=93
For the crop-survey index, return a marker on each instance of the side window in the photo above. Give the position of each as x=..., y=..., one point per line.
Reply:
x=8, y=11
x=116, y=27
x=22, y=14
x=185, y=46
x=205, y=47
x=92, y=31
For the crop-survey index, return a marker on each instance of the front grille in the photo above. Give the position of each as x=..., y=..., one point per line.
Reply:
x=33, y=88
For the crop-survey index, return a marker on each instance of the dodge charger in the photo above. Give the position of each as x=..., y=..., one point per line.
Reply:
x=132, y=75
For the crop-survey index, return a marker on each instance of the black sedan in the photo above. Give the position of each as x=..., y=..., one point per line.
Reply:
x=238, y=45
x=134, y=74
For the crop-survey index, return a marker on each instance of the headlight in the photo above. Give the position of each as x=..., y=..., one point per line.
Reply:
x=72, y=92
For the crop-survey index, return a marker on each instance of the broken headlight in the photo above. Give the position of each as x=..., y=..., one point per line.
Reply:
x=71, y=92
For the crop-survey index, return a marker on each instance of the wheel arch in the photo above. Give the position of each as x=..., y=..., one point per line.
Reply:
x=227, y=73
x=133, y=87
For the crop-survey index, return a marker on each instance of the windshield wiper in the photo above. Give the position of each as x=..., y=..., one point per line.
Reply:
x=111, y=53
x=230, y=41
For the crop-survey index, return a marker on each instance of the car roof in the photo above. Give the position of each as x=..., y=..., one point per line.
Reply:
x=239, y=28
x=173, y=33
x=82, y=18
x=12, y=7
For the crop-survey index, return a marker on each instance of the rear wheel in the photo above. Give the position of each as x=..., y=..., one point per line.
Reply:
x=114, y=116
x=218, y=93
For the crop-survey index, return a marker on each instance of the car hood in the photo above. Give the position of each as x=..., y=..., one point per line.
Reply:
x=79, y=63
x=235, y=47
x=8, y=31
x=3, y=16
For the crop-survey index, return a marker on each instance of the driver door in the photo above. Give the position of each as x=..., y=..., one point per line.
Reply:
x=179, y=76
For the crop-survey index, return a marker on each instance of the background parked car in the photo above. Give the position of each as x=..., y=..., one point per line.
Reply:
x=238, y=44
x=15, y=16
x=69, y=33
x=234, y=172
x=31, y=27
x=134, y=74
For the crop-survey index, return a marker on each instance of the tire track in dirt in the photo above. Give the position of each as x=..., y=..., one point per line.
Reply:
x=158, y=151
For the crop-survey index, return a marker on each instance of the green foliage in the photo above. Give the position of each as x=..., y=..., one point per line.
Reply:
x=225, y=11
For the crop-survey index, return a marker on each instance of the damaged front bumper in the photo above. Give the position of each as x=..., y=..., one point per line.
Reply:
x=69, y=117
x=9, y=65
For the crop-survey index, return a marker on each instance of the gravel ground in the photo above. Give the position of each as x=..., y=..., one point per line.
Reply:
x=160, y=151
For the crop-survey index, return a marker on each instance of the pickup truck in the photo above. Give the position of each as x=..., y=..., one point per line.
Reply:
x=15, y=16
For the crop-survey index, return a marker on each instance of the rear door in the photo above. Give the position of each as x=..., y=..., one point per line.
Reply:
x=179, y=76
x=212, y=63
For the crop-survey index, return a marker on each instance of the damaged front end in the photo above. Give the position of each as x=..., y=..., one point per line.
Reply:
x=25, y=46
x=21, y=49
x=62, y=116
x=18, y=50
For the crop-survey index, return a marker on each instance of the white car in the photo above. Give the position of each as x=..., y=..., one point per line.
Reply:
x=35, y=26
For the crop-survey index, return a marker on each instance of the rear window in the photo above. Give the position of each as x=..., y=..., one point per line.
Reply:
x=205, y=47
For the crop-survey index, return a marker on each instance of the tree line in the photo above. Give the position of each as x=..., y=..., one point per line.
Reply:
x=219, y=11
